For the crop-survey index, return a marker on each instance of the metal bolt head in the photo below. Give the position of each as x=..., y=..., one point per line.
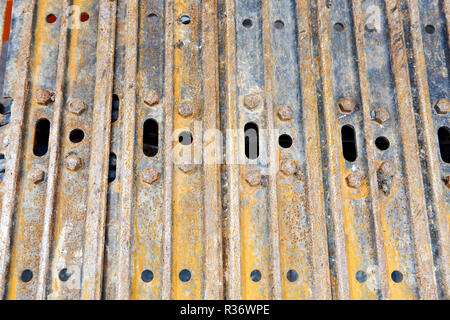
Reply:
x=150, y=175
x=36, y=176
x=354, y=180
x=442, y=106
x=185, y=109
x=381, y=115
x=288, y=167
x=151, y=98
x=285, y=113
x=186, y=167
x=253, y=178
x=387, y=169
x=347, y=105
x=252, y=101
x=77, y=106
x=73, y=162
x=44, y=97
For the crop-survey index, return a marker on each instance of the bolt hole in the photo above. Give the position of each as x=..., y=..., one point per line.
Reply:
x=348, y=138
x=185, y=275
x=292, y=275
x=255, y=275
x=185, y=138
x=115, y=108
x=382, y=143
x=361, y=276
x=2, y=167
x=339, y=26
x=150, y=138
x=64, y=275
x=41, y=135
x=397, y=276
x=247, y=23
x=285, y=141
x=26, y=276
x=76, y=136
x=147, y=276
x=430, y=29
x=84, y=17
x=51, y=18
x=185, y=19
x=279, y=24
x=444, y=143
x=112, y=171
x=251, y=134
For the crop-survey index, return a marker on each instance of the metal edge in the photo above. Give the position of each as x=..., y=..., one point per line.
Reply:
x=16, y=138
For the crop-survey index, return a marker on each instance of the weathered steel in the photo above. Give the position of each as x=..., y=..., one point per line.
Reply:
x=225, y=149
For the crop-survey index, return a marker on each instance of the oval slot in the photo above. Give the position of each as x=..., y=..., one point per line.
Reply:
x=150, y=138
x=251, y=133
x=41, y=136
x=348, y=137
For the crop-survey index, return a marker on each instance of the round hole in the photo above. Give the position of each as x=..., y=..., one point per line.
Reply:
x=382, y=143
x=147, y=276
x=152, y=16
x=247, y=23
x=430, y=29
x=397, y=276
x=76, y=136
x=185, y=275
x=361, y=276
x=255, y=275
x=185, y=19
x=279, y=24
x=64, y=275
x=185, y=138
x=84, y=17
x=51, y=18
x=338, y=26
x=285, y=141
x=26, y=276
x=292, y=275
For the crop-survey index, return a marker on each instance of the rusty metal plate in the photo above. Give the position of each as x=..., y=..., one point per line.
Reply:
x=225, y=149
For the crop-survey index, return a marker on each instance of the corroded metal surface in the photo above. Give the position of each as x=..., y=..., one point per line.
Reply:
x=225, y=149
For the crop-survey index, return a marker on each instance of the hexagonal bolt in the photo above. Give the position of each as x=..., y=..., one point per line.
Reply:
x=285, y=113
x=44, y=97
x=288, y=167
x=150, y=175
x=36, y=176
x=442, y=106
x=151, y=98
x=186, y=167
x=354, y=180
x=73, y=162
x=381, y=115
x=253, y=178
x=185, y=109
x=252, y=101
x=387, y=169
x=77, y=106
x=347, y=105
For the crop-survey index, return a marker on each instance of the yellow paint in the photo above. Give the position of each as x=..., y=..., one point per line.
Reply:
x=187, y=198
x=255, y=250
